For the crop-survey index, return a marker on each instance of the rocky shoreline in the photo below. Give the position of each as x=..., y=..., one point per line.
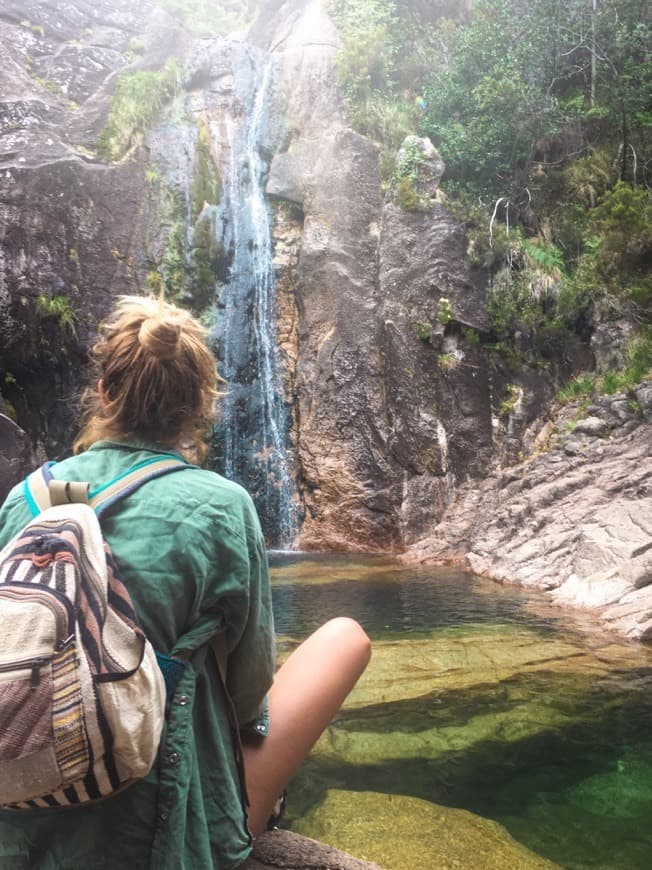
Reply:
x=574, y=519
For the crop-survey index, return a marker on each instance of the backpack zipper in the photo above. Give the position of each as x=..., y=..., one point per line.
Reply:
x=34, y=665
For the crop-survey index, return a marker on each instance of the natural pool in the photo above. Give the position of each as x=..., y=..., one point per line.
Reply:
x=491, y=729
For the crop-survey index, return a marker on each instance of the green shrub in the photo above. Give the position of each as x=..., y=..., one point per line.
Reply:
x=512, y=394
x=423, y=330
x=611, y=271
x=365, y=61
x=136, y=48
x=511, y=305
x=407, y=196
x=612, y=382
x=444, y=311
x=582, y=385
x=588, y=178
x=638, y=368
x=135, y=106
x=58, y=308
x=448, y=361
x=639, y=356
x=470, y=336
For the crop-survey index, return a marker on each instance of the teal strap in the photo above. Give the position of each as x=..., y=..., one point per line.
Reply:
x=37, y=493
x=36, y=489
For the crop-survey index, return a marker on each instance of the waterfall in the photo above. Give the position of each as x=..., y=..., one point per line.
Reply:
x=252, y=438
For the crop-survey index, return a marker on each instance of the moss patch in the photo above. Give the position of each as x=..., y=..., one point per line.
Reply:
x=402, y=833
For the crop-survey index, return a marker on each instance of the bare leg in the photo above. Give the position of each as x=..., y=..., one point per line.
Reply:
x=308, y=691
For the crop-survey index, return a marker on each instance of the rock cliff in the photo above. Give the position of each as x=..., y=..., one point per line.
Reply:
x=384, y=430
x=400, y=428
x=379, y=430
x=70, y=227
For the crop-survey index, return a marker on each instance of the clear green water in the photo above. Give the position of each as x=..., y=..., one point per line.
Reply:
x=484, y=698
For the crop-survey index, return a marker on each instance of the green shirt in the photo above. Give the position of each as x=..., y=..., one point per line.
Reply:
x=191, y=553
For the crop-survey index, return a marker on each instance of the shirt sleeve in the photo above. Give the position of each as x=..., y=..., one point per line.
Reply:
x=14, y=515
x=233, y=595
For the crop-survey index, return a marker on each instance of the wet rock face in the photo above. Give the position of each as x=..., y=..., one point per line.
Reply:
x=65, y=256
x=436, y=386
x=377, y=462
x=70, y=226
x=16, y=454
x=60, y=57
x=331, y=173
x=382, y=432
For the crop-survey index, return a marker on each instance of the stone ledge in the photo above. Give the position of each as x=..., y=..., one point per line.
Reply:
x=283, y=850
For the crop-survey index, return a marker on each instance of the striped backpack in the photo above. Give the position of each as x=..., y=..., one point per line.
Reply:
x=82, y=696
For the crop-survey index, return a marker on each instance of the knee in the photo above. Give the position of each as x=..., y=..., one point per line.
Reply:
x=346, y=632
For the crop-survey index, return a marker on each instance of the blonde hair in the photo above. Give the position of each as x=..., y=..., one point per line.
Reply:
x=156, y=380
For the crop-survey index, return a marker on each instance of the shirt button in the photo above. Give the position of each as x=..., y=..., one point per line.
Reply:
x=182, y=700
x=163, y=817
x=173, y=758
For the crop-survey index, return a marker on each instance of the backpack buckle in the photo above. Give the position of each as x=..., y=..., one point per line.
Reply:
x=68, y=492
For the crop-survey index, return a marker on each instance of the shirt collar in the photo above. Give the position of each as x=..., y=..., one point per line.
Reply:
x=136, y=444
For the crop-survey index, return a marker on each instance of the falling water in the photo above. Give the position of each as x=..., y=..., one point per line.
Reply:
x=252, y=441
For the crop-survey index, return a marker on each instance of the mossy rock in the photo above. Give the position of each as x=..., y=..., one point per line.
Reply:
x=404, y=833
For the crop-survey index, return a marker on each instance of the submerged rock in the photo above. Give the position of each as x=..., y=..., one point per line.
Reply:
x=500, y=719
x=405, y=833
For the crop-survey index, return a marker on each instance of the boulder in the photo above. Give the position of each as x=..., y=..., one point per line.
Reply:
x=644, y=398
x=591, y=426
x=419, y=160
x=609, y=345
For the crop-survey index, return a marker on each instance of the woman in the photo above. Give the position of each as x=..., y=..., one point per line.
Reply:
x=190, y=550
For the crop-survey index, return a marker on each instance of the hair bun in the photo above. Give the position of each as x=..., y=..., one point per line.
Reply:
x=160, y=338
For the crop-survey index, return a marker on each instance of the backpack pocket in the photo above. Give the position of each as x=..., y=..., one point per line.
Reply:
x=134, y=706
x=25, y=707
x=43, y=743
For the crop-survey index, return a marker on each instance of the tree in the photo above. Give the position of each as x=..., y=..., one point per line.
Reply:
x=525, y=83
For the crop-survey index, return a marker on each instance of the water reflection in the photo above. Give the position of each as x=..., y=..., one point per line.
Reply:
x=390, y=600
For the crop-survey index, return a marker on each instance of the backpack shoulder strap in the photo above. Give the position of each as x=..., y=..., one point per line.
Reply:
x=106, y=496
x=42, y=490
x=36, y=489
